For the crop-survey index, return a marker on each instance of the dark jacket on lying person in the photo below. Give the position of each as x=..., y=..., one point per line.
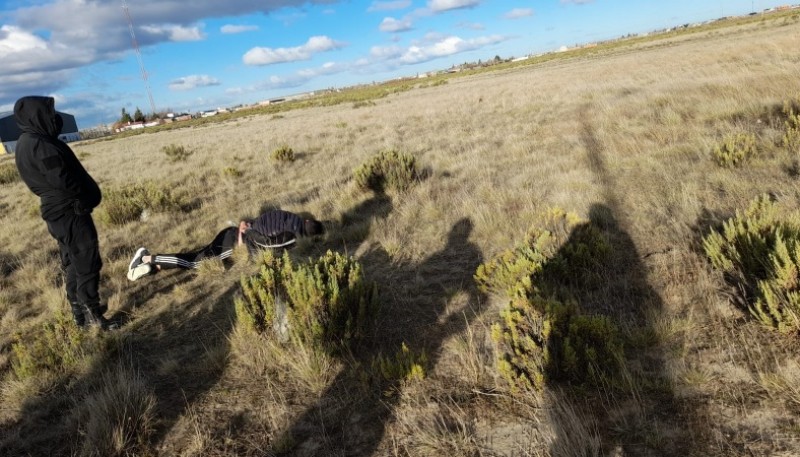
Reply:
x=278, y=229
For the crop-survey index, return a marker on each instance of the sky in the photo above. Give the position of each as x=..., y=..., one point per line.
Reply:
x=205, y=54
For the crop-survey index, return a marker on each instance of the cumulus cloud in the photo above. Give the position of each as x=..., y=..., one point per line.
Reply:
x=517, y=13
x=389, y=5
x=175, y=32
x=193, y=82
x=41, y=61
x=269, y=56
x=438, y=6
x=390, y=24
x=385, y=52
x=229, y=29
x=446, y=47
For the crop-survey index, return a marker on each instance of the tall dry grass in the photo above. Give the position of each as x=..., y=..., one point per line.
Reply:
x=632, y=131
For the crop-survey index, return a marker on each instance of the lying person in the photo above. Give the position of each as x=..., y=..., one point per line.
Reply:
x=273, y=229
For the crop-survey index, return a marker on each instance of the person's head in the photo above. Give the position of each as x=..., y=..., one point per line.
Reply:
x=313, y=227
x=36, y=114
x=244, y=225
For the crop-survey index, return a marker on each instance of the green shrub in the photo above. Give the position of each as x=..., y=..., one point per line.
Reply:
x=735, y=150
x=324, y=303
x=124, y=204
x=231, y=172
x=56, y=347
x=759, y=250
x=363, y=103
x=9, y=173
x=541, y=340
x=283, y=154
x=791, y=139
x=176, y=153
x=542, y=336
x=404, y=366
x=562, y=241
x=387, y=170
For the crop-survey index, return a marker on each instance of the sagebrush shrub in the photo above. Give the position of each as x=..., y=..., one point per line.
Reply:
x=9, y=173
x=791, y=139
x=404, y=366
x=735, y=150
x=231, y=172
x=324, y=303
x=127, y=203
x=387, y=170
x=54, y=348
x=176, y=153
x=283, y=154
x=541, y=336
x=759, y=250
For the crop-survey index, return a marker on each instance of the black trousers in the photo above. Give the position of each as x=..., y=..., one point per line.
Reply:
x=80, y=257
x=221, y=247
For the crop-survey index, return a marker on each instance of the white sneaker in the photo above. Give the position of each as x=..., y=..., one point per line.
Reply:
x=143, y=269
x=137, y=258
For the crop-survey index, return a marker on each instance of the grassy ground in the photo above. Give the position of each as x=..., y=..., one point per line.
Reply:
x=624, y=138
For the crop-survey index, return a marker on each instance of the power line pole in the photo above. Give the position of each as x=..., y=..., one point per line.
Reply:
x=139, y=56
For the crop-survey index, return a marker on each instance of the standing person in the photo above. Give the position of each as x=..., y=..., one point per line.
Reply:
x=68, y=194
x=273, y=229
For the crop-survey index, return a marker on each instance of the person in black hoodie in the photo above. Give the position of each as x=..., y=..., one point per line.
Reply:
x=68, y=194
x=272, y=230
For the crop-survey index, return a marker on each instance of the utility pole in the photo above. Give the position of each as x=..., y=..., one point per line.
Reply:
x=139, y=56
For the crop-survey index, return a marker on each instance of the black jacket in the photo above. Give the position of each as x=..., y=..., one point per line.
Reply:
x=274, y=229
x=47, y=165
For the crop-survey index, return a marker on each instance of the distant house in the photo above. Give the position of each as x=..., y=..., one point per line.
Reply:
x=9, y=132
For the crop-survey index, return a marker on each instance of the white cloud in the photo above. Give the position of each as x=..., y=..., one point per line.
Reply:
x=388, y=6
x=438, y=6
x=576, y=2
x=446, y=47
x=231, y=29
x=269, y=56
x=175, y=32
x=390, y=24
x=193, y=82
x=70, y=34
x=471, y=25
x=517, y=13
x=385, y=52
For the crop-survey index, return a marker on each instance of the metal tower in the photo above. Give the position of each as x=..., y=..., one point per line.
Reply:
x=139, y=56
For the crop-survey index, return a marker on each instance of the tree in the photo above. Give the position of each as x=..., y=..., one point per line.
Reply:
x=138, y=116
x=125, y=118
x=497, y=59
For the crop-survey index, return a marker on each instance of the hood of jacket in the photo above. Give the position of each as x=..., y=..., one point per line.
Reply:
x=37, y=115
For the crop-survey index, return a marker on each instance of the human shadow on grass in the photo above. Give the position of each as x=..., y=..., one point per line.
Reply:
x=171, y=359
x=636, y=410
x=421, y=305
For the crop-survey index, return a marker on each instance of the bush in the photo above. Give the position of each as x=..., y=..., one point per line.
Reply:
x=759, y=250
x=176, y=153
x=124, y=204
x=735, y=150
x=542, y=336
x=791, y=139
x=324, y=303
x=231, y=172
x=283, y=154
x=387, y=170
x=55, y=347
x=9, y=173
x=363, y=103
x=404, y=366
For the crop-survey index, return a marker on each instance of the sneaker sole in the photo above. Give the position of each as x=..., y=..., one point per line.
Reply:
x=136, y=258
x=133, y=275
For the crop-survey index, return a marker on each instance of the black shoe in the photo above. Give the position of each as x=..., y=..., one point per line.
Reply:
x=94, y=318
x=77, y=314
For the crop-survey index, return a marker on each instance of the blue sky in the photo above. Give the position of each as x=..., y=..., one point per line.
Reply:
x=203, y=54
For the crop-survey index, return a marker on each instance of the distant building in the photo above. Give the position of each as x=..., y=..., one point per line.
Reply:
x=9, y=132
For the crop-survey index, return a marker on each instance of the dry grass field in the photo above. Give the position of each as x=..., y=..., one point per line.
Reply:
x=624, y=139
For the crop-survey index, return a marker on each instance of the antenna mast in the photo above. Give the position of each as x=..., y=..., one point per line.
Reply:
x=139, y=56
